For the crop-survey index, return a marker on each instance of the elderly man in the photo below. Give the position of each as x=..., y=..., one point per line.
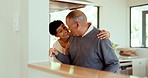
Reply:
x=85, y=48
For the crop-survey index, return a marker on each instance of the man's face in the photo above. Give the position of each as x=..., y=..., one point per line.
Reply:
x=62, y=32
x=72, y=26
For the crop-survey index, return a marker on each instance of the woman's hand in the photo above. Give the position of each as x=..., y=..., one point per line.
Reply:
x=53, y=52
x=103, y=34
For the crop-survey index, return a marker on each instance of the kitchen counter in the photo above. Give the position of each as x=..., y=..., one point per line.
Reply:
x=129, y=58
x=71, y=71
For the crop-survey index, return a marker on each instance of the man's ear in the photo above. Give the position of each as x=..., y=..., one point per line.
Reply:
x=77, y=25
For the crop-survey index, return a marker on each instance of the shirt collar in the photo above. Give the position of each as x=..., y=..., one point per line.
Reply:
x=88, y=30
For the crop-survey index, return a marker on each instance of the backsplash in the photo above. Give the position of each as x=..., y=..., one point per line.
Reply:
x=142, y=52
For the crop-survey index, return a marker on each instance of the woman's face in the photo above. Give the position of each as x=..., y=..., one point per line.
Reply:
x=62, y=31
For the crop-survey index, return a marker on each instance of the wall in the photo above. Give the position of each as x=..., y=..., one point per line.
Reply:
x=113, y=17
x=38, y=37
x=10, y=41
x=23, y=23
x=38, y=30
x=29, y=43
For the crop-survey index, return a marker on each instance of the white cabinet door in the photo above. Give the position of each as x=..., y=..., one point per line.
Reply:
x=139, y=67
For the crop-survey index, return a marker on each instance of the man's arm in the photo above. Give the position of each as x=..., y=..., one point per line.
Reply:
x=109, y=57
x=63, y=58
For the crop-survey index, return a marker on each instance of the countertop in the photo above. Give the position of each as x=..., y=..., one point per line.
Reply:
x=71, y=71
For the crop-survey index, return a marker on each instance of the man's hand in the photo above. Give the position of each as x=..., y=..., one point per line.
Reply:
x=103, y=34
x=53, y=52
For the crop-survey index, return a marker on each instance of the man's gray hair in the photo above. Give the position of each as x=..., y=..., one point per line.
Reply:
x=77, y=15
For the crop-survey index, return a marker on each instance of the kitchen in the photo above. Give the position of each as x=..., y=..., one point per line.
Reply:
x=31, y=42
x=59, y=12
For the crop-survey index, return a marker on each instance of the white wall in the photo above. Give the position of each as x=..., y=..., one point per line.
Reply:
x=30, y=43
x=38, y=30
x=38, y=37
x=113, y=17
x=142, y=52
x=10, y=41
x=23, y=38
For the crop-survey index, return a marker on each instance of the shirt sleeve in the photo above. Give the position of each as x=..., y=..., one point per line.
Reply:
x=63, y=58
x=108, y=56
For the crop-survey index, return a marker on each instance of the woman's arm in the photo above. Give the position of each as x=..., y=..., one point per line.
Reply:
x=103, y=34
x=60, y=56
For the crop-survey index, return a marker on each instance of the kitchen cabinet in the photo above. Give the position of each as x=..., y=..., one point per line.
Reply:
x=125, y=67
x=134, y=66
x=139, y=67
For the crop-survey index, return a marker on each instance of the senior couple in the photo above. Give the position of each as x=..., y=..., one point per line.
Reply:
x=83, y=44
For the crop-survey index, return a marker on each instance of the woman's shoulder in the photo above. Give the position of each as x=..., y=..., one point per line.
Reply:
x=57, y=46
x=56, y=43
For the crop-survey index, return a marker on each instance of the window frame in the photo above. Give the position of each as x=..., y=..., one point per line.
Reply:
x=143, y=27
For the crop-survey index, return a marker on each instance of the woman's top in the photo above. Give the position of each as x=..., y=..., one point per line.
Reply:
x=58, y=46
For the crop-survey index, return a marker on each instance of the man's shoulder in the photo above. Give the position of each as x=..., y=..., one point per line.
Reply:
x=105, y=41
x=71, y=38
x=93, y=32
x=95, y=29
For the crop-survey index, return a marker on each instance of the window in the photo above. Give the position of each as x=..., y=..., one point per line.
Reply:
x=90, y=11
x=139, y=26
